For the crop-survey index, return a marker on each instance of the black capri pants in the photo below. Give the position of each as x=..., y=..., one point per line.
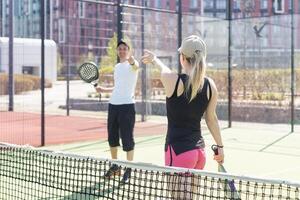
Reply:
x=120, y=123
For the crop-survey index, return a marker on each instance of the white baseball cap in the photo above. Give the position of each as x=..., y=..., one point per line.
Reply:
x=191, y=45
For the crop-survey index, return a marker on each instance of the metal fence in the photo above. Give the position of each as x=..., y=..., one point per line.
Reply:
x=253, y=55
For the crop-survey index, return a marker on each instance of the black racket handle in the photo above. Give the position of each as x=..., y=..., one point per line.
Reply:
x=215, y=149
x=95, y=85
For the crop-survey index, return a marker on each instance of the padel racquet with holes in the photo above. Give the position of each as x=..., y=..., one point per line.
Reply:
x=228, y=185
x=89, y=73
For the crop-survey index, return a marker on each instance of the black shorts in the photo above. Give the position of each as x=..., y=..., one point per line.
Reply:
x=120, y=123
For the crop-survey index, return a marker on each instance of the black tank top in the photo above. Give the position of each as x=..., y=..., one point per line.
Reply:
x=184, y=129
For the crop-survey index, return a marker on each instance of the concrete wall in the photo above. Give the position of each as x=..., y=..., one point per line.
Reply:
x=245, y=113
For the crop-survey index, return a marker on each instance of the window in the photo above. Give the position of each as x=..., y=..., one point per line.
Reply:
x=193, y=3
x=35, y=7
x=236, y=4
x=279, y=6
x=26, y=7
x=158, y=3
x=56, y=3
x=290, y=4
x=221, y=4
x=61, y=30
x=264, y=4
x=17, y=9
x=168, y=4
x=208, y=4
x=30, y=70
x=81, y=9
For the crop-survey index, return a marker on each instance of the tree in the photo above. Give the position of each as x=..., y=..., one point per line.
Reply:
x=109, y=60
x=59, y=64
x=85, y=58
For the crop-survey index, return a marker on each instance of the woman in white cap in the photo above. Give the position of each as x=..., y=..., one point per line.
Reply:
x=190, y=95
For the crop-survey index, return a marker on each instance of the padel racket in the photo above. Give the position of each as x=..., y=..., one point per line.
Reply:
x=89, y=73
x=228, y=185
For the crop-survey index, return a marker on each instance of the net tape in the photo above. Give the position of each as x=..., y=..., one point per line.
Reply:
x=29, y=173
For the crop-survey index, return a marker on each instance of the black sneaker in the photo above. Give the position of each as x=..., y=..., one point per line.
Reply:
x=114, y=170
x=126, y=175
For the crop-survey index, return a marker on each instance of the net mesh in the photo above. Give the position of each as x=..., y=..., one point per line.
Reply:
x=27, y=173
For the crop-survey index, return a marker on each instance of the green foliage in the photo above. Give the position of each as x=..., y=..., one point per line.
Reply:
x=268, y=96
x=59, y=63
x=154, y=72
x=109, y=60
x=85, y=58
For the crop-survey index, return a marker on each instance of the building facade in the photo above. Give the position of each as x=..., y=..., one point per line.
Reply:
x=80, y=28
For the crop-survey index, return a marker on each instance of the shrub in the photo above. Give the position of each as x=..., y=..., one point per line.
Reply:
x=255, y=84
x=3, y=84
x=22, y=83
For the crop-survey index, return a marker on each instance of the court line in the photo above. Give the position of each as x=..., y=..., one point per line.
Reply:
x=272, y=143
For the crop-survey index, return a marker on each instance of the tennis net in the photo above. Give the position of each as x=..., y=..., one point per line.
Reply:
x=29, y=173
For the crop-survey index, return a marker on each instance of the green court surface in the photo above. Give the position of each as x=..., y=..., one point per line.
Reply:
x=257, y=150
x=262, y=163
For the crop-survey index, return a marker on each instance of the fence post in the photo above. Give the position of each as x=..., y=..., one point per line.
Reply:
x=179, y=31
x=119, y=21
x=144, y=71
x=229, y=18
x=292, y=69
x=42, y=27
x=11, y=57
x=68, y=60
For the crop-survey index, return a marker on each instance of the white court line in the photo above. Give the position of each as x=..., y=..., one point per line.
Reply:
x=281, y=171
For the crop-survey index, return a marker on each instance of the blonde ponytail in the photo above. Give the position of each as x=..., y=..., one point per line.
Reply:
x=196, y=74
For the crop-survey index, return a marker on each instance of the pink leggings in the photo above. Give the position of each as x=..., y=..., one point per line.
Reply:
x=193, y=159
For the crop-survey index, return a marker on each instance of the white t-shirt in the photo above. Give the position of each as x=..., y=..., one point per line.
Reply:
x=125, y=78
